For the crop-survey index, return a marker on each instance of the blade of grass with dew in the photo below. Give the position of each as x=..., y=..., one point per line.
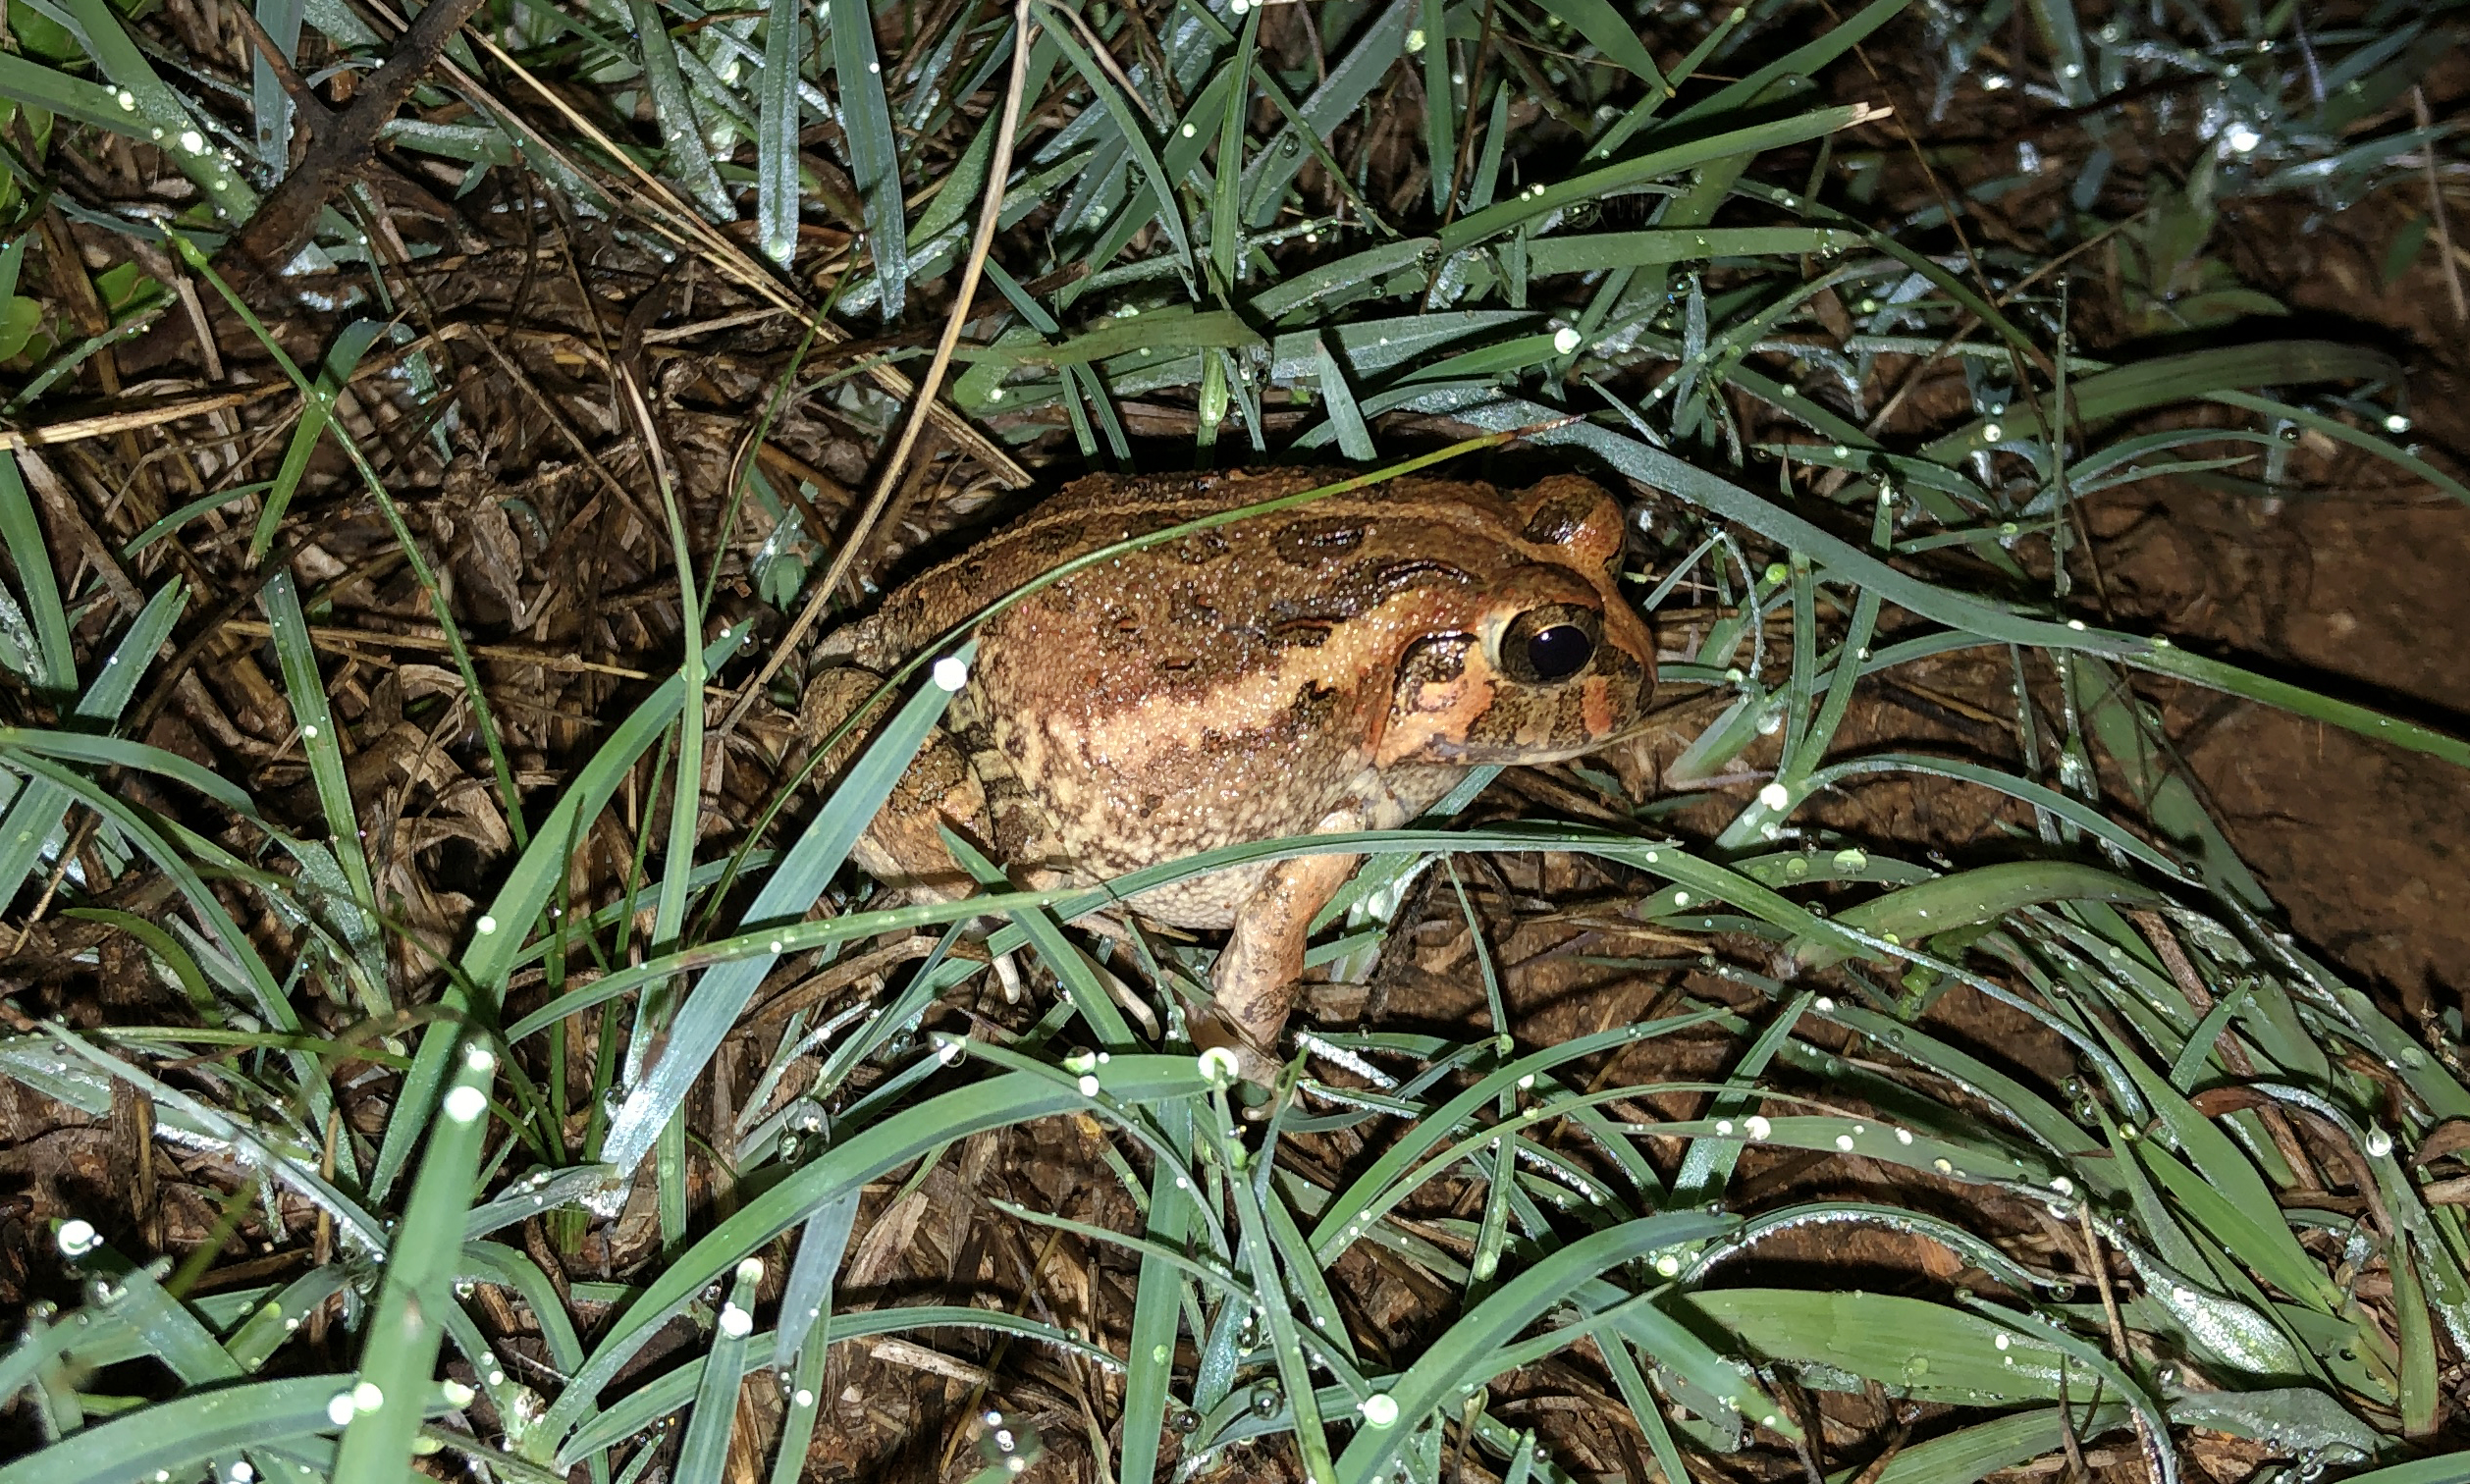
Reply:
x=777, y=126
x=1606, y=30
x=1926, y=1350
x=1757, y=139
x=177, y=1435
x=269, y=1001
x=1707, y=1166
x=306, y=687
x=1465, y=1354
x=32, y=558
x=1353, y=1209
x=400, y=1349
x=1157, y=1301
x=1730, y=501
x=1162, y=200
x=655, y=1007
x=652, y=1402
x=688, y=159
x=712, y=1008
x=1354, y=440
x=704, y=1455
x=270, y=107
x=1227, y=209
x=1430, y=40
x=1272, y=1305
x=2168, y=380
x=39, y=806
x=342, y=357
x=497, y=943
x=275, y=1321
x=101, y=30
x=1975, y=1452
x=1983, y=894
x=866, y=119
x=1351, y=78
x=1073, y=972
x=805, y=1321
x=72, y=97
x=160, y=1322
x=997, y=1102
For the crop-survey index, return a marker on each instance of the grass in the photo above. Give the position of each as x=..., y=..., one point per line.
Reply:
x=2222, y=1232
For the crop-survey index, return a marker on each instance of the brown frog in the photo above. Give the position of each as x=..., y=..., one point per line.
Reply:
x=1333, y=667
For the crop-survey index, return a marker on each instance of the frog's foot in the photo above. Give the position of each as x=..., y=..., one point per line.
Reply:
x=1214, y=1029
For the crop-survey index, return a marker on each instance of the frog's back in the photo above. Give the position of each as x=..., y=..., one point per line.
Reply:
x=1086, y=516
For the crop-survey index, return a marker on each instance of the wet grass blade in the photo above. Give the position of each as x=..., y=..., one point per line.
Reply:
x=996, y=1102
x=305, y=686
x=712, y=1008
x=873, y=150
x=400, y=1346
x=177, y=1435
x=1469, y=1352
x=30, y=557
x=776, y=123
x=689, y=158
x=317, y=412
x=704, y=1455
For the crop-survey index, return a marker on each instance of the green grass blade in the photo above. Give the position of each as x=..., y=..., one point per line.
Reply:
x=1431, y=38
x=704, y=1455
x=1352, y=77
x=1467, y=1353
x=319, y=739
x=317, y=412
x=689, y=158
x=713, y=1007
x=996, y=1102
x=1226, y=210
x=177, y=1435
x=398, y=1355
x=874, y=149
x=1156, y=1302
x=32, y=558
x=497, y=943
x=1596, y=184
x=1162, y=200
x=40, y=806
x=1606, y=30
x=776, y=123
x=1975, y=1452
x=101, y=33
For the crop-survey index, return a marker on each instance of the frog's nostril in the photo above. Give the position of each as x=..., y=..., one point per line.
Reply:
x=1559, y=652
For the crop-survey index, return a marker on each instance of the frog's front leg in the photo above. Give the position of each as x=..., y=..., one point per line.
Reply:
x=1261, y=971
x=903, y=845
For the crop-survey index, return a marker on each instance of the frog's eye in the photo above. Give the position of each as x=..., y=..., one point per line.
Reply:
x=1551, y=643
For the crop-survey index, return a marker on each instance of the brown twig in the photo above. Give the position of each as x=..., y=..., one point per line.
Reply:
x=2436, y=208
x=289, y=216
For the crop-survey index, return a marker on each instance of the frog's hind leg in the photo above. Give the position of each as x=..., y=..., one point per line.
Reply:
x=903, y=846
x=1258, y=976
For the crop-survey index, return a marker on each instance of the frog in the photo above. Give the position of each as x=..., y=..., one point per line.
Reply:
x=1333, y=667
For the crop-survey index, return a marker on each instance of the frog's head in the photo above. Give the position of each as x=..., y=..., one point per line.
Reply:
x=1545, y=662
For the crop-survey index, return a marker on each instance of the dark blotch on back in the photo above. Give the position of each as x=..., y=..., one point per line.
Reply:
x=1420, y=571
x=1055, y=540
x=1310, y=542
